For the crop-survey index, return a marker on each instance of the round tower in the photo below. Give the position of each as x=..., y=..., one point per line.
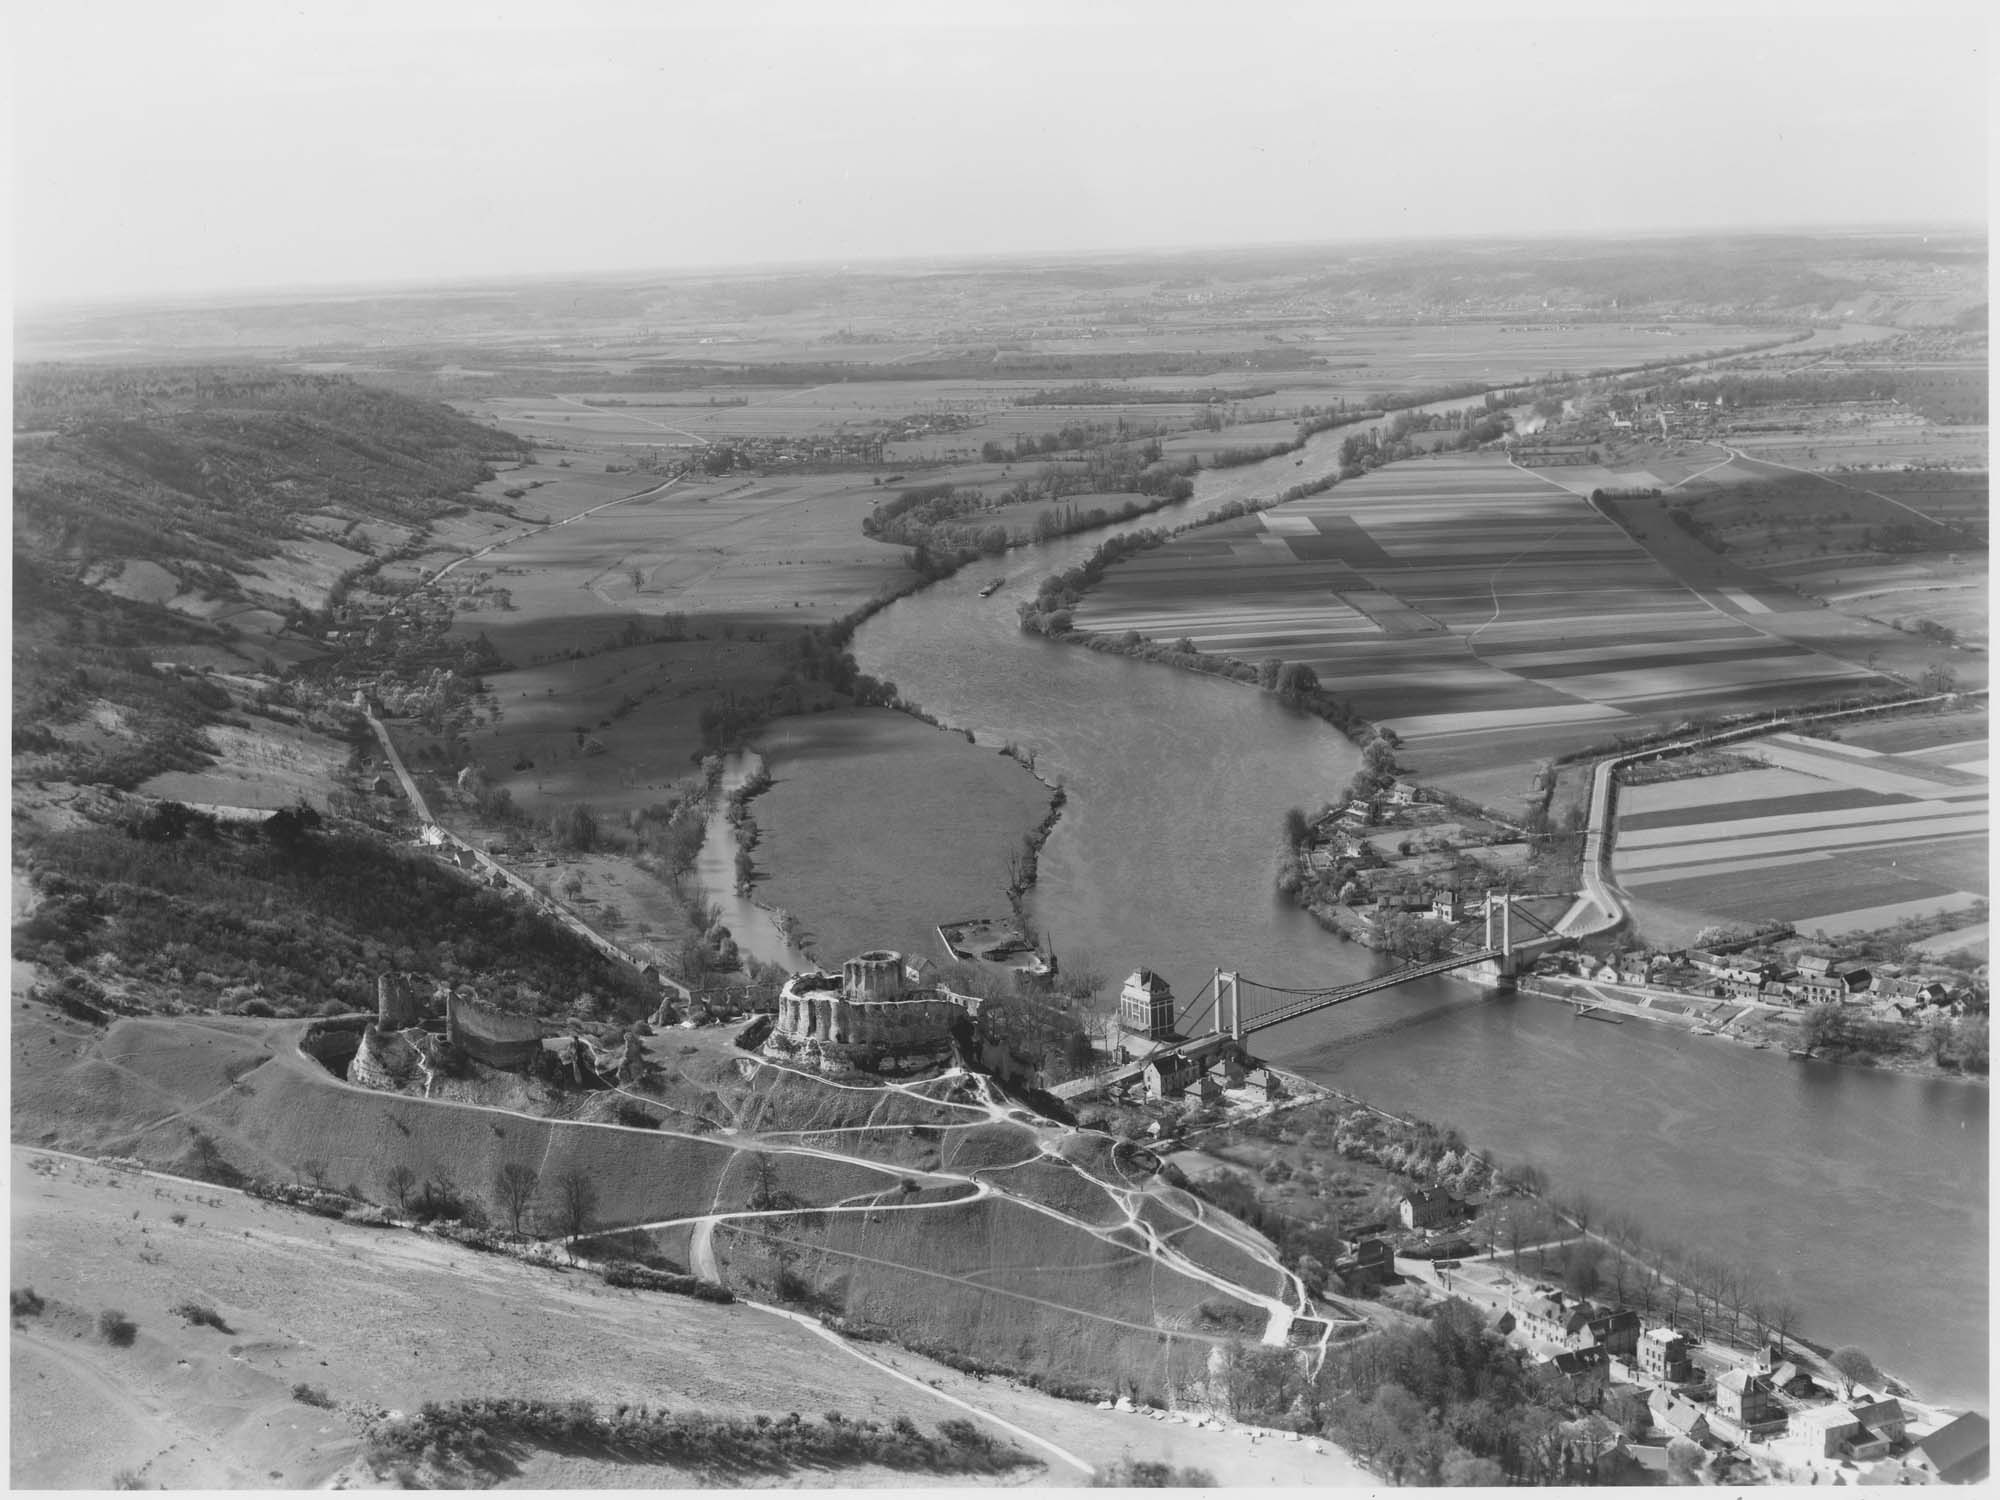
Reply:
x=875, y=975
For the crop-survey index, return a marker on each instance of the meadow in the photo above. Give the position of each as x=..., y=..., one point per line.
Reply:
x=1489, y=617
x=1835, y=836
x=877, y=827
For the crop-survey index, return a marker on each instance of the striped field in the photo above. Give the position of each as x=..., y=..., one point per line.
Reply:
x=1489, y=616
x=1828, y=836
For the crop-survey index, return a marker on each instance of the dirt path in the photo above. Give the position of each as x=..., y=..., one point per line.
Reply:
x=814, y=1326
x=625, y=415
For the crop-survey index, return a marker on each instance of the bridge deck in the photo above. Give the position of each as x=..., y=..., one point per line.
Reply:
x=1306, y=1005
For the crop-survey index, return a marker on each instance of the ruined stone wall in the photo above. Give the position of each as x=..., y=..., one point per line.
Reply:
x=390, y=1059
x=398, y=1002
x=866, y=1020
x=494, y=1037
x=836, y=1035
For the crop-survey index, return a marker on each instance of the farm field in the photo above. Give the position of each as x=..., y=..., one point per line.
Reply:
x=1354, y=364
x=1886, y=446
x=1487, y=616
x=1830, y=836
x=1762, y=590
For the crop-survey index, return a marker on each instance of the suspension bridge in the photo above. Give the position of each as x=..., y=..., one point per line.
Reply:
x=1170, y=1035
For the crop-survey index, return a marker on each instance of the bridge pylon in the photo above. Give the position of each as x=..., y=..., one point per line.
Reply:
x=1225, y=983
x=1506, y=942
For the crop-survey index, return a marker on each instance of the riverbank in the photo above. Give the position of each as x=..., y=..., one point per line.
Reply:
x=1329, y=1158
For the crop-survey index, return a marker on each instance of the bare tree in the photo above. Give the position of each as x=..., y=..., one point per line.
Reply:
x=207, y=1154
x=1855, y=1368
x=1581, y=1211
x=1784, y=1316
x=1673, y=1293
x=1759, y=1310
x=514, y=1185
x=1517, y=1231
x=401, y=1181
x=315, y=1170
x=576, y=1203
x=1737, y=1293
x=1694, y=1270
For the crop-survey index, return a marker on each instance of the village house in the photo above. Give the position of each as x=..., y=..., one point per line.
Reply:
x=1175, y=1073
x=1617, y=1333
x=1894, y=985
x=1884, y=1417
x=1579, y=1364
x=1785, y=1375
x=1663, y=1355
x=1401, y=794
x=1744, y=981
x=1370, y=1263
x=1444, y=907
x=1678, y=1416
x=1836, y=1431
x=1573, y=1324
x=1745, y=1397
x=1428, y=1208
x=1957, y=1453
x=1821, y=978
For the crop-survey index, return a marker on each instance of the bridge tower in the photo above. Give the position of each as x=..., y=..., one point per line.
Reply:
x=1225, y=984
x=1506, y=943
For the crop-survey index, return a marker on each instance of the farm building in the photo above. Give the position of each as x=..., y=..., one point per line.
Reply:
x=1957, y=1453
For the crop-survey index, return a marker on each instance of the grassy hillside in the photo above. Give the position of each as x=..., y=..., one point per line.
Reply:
x=200, y=467
x=1035, y=1277
x=1001, y=1282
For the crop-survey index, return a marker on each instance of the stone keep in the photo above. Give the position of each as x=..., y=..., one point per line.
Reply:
x=866, y=1019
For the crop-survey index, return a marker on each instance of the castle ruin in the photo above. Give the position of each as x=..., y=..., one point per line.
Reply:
x=398, y=1006
x=497, y=1038
x=869, y=1018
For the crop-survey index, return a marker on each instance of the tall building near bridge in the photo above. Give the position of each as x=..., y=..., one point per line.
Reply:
x=1146, y=1008
x=1145, y=1016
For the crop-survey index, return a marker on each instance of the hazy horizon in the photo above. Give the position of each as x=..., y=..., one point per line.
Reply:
x=233, y=149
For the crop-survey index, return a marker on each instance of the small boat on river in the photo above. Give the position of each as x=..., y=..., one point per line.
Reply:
x=992, y=588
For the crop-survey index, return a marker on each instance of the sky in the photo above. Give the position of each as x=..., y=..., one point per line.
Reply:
x=208, y=145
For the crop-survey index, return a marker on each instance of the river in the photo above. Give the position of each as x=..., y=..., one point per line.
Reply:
x=1860, y=1197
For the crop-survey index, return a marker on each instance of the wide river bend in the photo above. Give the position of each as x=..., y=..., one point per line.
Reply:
x=1861, y=1197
